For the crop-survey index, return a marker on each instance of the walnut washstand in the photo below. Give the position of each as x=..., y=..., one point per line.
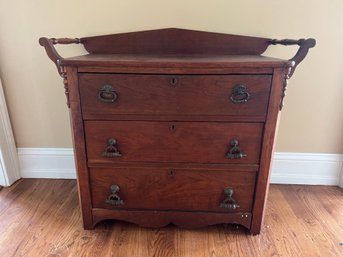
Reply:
x=173, y=125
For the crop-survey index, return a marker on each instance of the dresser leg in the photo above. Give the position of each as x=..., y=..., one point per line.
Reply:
x=255, y=230
x=87, y=222
x=87, y=226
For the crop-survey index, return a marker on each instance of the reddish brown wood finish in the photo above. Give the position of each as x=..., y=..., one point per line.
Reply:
x=150, y=188
x=175, y=41
x=187, y=142
x=174, y=95
x=211, y=118
x=183, y=219
x=262, y=182
x=164, y=69
x=173, y=122
x=79, y=148
x=175, y=63
x=176, y=165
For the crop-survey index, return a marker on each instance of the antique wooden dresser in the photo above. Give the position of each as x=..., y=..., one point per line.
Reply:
x=174, y=126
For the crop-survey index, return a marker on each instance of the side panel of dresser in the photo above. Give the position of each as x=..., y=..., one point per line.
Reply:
x=268, y=141
x=79, y=147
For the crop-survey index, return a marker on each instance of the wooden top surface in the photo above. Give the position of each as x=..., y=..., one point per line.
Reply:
x=176, y=61
x=175, y=50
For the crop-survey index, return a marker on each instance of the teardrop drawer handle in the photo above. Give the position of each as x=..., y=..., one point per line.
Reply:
x=113, y=198
x=239, y=94
x=107, y=94
x=235, y=151
x=111, y=150
x=229, y=202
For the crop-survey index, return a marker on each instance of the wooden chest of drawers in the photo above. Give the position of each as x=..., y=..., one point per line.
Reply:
x=174, y=126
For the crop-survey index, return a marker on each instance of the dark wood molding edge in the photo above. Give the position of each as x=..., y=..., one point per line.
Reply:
x=160, y=218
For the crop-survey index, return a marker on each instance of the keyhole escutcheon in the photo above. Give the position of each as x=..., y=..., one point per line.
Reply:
x=172, y=127
x=173, y=81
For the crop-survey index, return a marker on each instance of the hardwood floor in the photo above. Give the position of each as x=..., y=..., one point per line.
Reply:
x=41, y=218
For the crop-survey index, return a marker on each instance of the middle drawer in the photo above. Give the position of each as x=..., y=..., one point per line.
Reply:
x=183, y=142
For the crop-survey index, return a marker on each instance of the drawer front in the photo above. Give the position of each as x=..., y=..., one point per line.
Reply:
x=174, y=95
x=172, y=189
x=197, y=142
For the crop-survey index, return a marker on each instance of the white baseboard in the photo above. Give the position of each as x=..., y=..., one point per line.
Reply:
x=306, y=168
x=288, y=168
x=47, y=163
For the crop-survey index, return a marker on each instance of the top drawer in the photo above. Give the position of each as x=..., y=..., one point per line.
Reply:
x=207, y=95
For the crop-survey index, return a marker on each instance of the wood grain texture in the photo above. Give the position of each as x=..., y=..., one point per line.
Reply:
x=79, y=146
x=203, y=73
x=182, y=219
x=184, y=41
x=184, y=142
x=41, y=218
x=180, y=95
x=177, y=63
x=168, y=189
x=101, y=67
x=267, y=153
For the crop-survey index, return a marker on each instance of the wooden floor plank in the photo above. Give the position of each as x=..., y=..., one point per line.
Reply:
x=41, y=217
x=310, y=204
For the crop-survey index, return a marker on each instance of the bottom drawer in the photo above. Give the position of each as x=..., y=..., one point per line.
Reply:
x=172, y=189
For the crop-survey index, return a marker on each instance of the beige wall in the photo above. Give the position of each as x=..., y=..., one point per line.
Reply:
x=312, y=119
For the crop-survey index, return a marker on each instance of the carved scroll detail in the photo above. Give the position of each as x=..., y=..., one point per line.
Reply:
x=63, y=74
x=284, y=88
x=66, y=89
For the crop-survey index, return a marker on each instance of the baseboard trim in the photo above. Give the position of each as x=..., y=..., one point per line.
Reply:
x=47, y=163
x=288, y=168
x=306, y=168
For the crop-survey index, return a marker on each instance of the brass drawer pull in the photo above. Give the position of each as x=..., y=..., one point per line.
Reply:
x=107, y=94
x=239, y=94
x=235, y=151
x=229, y=202
x=111, y=150
x=114, y=198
